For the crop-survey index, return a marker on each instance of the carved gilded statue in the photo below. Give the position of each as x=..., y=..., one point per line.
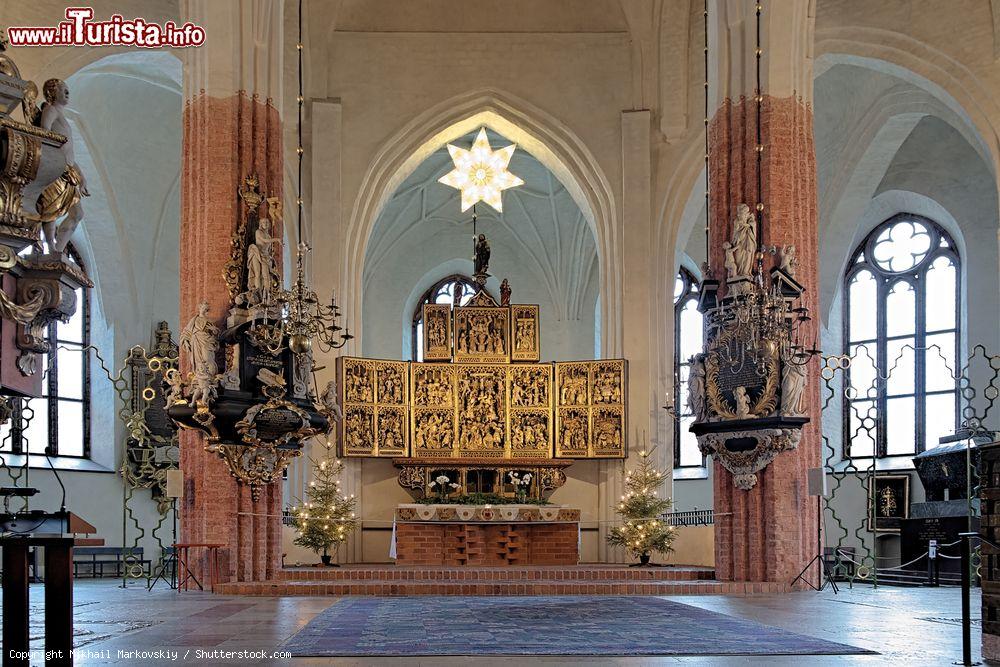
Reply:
x=62, y=197
x=482, y=258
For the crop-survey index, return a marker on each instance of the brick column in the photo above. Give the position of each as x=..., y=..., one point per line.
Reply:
x=231, y=129
x=770, y=532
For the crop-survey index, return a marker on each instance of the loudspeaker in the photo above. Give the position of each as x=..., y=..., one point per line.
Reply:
x=175, y=484
x=817, y=482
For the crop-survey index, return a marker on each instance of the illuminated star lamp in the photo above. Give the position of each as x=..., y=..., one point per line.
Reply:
x=481, y=173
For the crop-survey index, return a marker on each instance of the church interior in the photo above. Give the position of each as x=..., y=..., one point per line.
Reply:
x=616, y=332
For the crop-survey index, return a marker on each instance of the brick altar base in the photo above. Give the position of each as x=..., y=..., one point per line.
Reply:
x=387, y=579
x=464, y=544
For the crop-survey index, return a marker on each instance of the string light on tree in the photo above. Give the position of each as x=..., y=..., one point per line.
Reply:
x=481, y=173
x=328, y=518
x=644, y=531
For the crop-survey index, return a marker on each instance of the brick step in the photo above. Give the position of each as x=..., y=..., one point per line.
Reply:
x=541, y=587
x=497, y=574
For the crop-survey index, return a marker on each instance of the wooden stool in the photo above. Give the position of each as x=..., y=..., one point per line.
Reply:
x=184, y=574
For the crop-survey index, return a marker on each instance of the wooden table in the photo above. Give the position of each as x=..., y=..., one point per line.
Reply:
x=184, y=574
x=58, y=598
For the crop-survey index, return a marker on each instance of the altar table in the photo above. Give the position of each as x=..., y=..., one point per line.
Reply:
x=485, y=535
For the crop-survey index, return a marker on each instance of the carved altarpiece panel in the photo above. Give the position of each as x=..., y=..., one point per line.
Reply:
x=375, y=400
x=482, y=334
x=526, y=333
x=591, y=409
x=433, y=418
x=437, y=345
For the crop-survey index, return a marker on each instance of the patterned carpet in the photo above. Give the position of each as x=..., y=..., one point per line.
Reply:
x=564, y=625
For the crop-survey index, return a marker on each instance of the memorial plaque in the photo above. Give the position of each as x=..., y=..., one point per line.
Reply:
x=888, y=502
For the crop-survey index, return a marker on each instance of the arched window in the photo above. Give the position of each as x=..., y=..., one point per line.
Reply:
x=60, y=421
x=443, y=291
x=902, y=300
x=687, y=342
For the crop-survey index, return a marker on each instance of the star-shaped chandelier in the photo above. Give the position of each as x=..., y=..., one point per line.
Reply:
x=481, y=173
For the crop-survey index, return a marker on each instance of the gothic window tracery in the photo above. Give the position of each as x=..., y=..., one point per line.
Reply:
x=902, y=305
x=687, y=342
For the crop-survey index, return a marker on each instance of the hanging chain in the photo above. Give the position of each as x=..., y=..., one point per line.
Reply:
x=708, y=214
x=759, y=97
x=299, y=150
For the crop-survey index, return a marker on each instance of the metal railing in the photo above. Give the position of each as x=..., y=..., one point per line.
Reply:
x=690, y=518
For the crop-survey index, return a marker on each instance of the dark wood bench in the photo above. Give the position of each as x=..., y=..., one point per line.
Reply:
x=96, y=558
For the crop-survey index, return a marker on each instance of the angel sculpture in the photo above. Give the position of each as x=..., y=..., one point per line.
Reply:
x=328, y=401
x=62, y=196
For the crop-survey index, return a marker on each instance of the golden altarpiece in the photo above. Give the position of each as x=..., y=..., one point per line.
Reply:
x=481, y=404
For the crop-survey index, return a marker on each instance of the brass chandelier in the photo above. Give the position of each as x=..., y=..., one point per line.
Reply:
x=300, y=317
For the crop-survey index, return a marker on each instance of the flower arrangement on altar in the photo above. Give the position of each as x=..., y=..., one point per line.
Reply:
x=521, y=485
x=443, y=483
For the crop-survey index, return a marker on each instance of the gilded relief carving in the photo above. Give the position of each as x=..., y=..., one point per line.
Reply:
x=608, y=382
x=482, y=410
x=375, y=406
x=608, y=427
x=526, y=346
x=590, y=409
x=571, y=381
x=359, y=430
x=530, y=433
x=530, y=386
x=358, y=381
x=482, y=334
x=390, y=379
x=433, y=385
x=437, y=332
x=574, y=432
x=391, y=430
x=433, y=432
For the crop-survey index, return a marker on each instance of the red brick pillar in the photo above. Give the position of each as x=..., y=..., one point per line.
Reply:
x=228, y=134
x=770, y=532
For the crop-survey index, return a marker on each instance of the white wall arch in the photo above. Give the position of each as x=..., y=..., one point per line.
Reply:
x=912, y=60
x=551, y=142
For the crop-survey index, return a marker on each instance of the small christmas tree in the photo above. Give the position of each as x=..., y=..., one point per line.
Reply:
x=644, y=531
x=327, y=518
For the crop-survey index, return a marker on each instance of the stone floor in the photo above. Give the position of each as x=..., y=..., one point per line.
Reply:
x=905, y=625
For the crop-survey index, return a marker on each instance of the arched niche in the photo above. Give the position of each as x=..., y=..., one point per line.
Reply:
x=551, y=142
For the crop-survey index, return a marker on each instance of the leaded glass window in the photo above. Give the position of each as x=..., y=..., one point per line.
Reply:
x=688, y=342
x=902, y=298
x=58, y=423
